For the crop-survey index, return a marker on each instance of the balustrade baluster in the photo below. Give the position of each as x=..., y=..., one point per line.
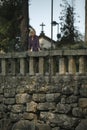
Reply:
x=41, y=65
x=22, y=66
x=31, y=66
x=3, y=66
x=81, y=65
x=62, y=66
x=13, y=66
x=72, y=65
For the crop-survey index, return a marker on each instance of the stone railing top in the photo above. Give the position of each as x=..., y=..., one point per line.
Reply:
x=44, y=53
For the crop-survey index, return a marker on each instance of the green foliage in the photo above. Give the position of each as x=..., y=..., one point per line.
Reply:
x=10, y=12
x=70, y=35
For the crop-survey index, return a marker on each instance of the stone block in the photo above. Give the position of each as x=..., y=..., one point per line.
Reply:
x=50, y=97
x=83, y=90
x=82, y=125
x=77, y=112
x=31, y=107
x=83, y=102
x=64, y=121
x=17, y=108
x=67, y=90
x=23, y=125
x=63, y=108
x=46, y=106
x=1, y=90
x=53, y=97
x=56, y=128
x=22, y=98
x=29, y=116
x=46, y=116
x=39, y=97
x=9, y=92
x=1, y=98
x=57, y=97
x=71, y=99
x=42, y=127
x=9, y=101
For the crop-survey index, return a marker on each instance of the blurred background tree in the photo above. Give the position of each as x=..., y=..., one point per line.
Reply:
x=70, y=34
x=13, y=24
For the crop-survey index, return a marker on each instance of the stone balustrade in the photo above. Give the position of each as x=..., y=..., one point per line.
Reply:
x=44, y=62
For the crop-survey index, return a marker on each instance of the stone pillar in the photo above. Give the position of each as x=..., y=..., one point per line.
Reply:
x=22, y=66
x=41, y=65
x=72, y=65
x=81, y=65
x=51, y=66
x=3, y=67
x=62, y=66
x=86, y=21
x=31, y=66
x=13, y=66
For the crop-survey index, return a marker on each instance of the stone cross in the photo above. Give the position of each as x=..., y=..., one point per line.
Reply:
x=42, y=26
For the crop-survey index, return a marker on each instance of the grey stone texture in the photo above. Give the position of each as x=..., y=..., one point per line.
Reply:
x=59, y=105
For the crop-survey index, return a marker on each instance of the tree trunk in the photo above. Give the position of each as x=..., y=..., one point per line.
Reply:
x=24, y=25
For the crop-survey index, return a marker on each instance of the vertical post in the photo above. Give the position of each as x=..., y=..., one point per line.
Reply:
x=51, y=24
x=62, y=67
x=50, y=67
x=81, y=65
x=31, y=66
x=22, y=66
x=86, y=22
x=72, y=65
x=41, y=65
x=13, y=66
x=3, y=66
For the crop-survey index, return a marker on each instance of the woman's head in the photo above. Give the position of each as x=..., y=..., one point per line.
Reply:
x=32, y=33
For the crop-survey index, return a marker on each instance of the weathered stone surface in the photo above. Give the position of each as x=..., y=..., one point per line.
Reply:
x=64, y=121
x=46, y=116
x=1, y=98
x=77, y=112
x=42, y=127
x=5, y=124
x=83, y=90
x=82, y=125
x=83, y=102
x=46, y=106
x=61, y=103
x=39, y=97
x=55, y=97
x=9, y=101
x=56, y=128
x=63, y=108
x=50, y=97
x=29, y=116
x=1, y=115
x=23, y=125
x=15, y=117
x=20, y=89
x=22, y=98
x=9, y=92
x=72, y=99
x=17, y=108
x=68, y=90
x=1, y=89
x=2, y=107
x=31, y=107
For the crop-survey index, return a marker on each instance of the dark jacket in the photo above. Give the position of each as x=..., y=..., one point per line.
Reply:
x=34, y=44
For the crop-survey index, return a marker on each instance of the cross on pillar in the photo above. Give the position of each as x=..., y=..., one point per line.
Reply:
x=42, y=27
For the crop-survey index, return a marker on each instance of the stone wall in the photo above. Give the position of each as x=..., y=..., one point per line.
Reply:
x=59, y=105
